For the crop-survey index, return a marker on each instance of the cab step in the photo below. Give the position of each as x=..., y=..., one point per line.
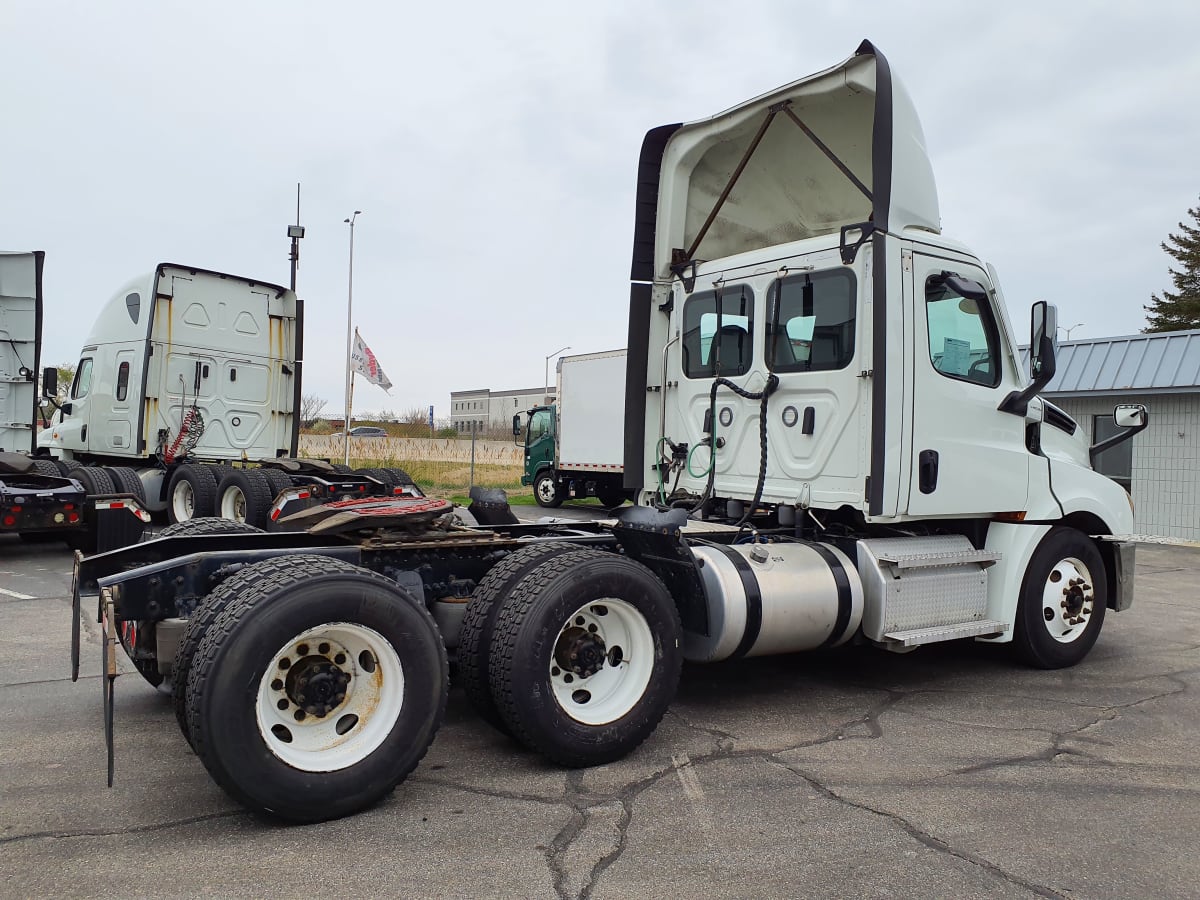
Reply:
x=918, y=636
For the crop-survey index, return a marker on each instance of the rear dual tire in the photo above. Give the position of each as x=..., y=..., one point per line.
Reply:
x=369, y=651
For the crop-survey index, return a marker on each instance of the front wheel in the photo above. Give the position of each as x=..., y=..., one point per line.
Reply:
x=311, y=698
x=585, y=657
x=546, y=490
x=1063, y=599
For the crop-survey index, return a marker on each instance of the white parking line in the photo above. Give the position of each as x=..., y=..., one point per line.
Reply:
x=15, y=595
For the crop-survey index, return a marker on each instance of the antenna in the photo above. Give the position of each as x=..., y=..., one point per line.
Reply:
x=295, y=232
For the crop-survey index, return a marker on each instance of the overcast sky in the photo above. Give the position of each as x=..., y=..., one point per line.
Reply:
x=493, y=151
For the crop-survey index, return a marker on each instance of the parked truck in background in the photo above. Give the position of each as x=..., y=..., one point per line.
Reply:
x=832, y=439
x=39, y=499
x=191, y=379
x=575, y=448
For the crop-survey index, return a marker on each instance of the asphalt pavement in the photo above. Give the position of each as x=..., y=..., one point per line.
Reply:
x=948, y=772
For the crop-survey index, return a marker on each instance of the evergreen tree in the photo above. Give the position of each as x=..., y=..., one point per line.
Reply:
x=1179, y=309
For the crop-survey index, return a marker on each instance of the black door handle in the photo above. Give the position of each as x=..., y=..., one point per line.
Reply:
x=927, y=471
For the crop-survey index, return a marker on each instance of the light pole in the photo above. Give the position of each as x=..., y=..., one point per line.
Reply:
x=1072, y=328
x=546, y=370
x=349, y=339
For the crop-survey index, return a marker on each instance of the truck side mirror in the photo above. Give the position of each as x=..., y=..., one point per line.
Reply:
x=1131, y=418
x=1131, y=415
x=1043, y=325
x=517, y=425
x=49, y=382
x=1043, y=322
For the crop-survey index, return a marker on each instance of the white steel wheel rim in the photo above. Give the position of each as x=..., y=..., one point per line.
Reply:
x=183, y=500
x=545, y=488
x=1068, y=600
x=353, y=727
x=233, y=504
x=597, y=692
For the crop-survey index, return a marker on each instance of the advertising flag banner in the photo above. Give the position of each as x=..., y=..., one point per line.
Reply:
x=365, y=364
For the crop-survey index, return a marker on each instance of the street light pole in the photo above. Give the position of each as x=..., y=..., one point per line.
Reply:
x=1072, y=328
x=349, y=340
x=546, y=371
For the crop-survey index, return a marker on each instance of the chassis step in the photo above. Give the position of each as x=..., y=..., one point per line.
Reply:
x=918, y=636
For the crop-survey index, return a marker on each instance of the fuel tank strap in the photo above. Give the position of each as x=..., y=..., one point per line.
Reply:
x=754, y=610
x=845, y=597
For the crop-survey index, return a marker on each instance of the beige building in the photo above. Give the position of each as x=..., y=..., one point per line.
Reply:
x=489, y=409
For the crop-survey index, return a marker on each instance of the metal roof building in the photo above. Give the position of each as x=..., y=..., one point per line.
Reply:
x=1161, y=466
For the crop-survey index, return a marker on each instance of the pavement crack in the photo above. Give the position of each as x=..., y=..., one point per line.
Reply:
x=920, y=835
x=132, y=829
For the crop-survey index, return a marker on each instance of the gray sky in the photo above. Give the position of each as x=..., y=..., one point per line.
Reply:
x=493, y=150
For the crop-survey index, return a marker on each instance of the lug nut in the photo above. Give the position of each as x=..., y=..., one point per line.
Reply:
x=299, y=715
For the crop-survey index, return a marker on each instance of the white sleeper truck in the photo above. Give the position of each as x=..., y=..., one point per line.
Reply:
x=831, y=439
x=191, y=379
x=575, y=448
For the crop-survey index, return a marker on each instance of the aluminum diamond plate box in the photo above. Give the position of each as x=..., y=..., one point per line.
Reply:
x=925, y=582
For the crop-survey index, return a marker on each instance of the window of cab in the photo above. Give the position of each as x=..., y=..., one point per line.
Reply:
x=812, y=322
x=718, y=333
x=83, y=379
x=963, y=338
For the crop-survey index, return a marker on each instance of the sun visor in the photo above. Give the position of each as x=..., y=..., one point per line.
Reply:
x=838, y=148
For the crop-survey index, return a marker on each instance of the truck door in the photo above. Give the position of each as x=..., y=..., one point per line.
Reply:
x=539, y=441
x=76, y=413
x=967, y=457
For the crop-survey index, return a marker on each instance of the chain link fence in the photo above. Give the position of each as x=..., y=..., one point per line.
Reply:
x=442, y=467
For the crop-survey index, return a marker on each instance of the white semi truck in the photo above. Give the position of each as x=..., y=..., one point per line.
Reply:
x=575, y=447
x=191, y=379
x=832, y=441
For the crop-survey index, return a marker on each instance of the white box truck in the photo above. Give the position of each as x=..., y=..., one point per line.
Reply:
x=575, y=448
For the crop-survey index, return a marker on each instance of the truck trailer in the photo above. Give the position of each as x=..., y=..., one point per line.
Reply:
x=40, y=500
x=575, y=447
x=831, y=438
x=190, y=379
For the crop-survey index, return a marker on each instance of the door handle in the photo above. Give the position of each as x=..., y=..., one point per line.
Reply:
x=927, y=471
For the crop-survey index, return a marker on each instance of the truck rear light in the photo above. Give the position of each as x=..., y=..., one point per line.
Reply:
x=68, y=506
x=73, y=517
x=10, y=520
x=16, y=509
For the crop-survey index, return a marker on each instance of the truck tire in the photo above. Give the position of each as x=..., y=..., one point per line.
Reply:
x=611, y=496
x=206, y=612
x=398, y=477
x=1063, y=598
x=46, y=467
x=380, y=475
x=66, y=466
x=95, y=481
x=126, y=481
x=302, y=635
x=245, y=496
x=278, y=481
x=546, y=491
x=585, y=657
x=191, y=493
x=342, y=468
x=479, y=622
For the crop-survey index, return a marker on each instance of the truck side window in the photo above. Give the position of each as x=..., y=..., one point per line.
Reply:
x=812, y=322
x=123, y=381
x=718, y=338
x=539, y=424
x=963, y=338
x=83, y=379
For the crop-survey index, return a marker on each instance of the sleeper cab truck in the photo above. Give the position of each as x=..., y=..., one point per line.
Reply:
x=191, y=380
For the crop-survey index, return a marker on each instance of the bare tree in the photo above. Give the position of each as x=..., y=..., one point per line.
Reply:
x=310, y=409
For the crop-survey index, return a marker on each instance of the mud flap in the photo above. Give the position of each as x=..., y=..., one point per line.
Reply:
x=75, y=613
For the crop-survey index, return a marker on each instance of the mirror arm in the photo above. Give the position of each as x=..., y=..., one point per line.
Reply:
x=1108, y=443
x=1017, y=402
